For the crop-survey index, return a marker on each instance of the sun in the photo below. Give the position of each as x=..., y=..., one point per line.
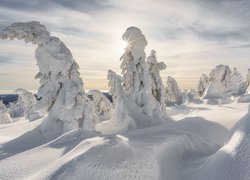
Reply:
x=120, y=46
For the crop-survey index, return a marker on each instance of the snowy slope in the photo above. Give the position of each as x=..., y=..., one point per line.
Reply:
x=168, y=151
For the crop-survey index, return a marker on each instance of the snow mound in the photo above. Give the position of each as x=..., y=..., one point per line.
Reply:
x=244, y=98
x=232, y=161
x=61, y=88
x=152, y=153
x=213, y=92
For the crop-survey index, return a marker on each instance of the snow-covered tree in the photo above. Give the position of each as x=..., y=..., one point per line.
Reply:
x=103, y=106
x=25, y=105
x=61, y=88
x=173, y=92
x=158, y=89
x=135, y=104
x=203, y=83
x=237, y=85
x=221, y=76
x=248, y=81
x=115, y=84
x=4, y=114
x=136, y=78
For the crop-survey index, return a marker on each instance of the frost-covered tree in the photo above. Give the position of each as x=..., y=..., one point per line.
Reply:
x=103, y=106
x=203, y=83
x=248, y=81
x=158, y=89
x=237, y=85
x=224, y=83
x=61, y=88
x=221, y=76
x=115, y=84
x=136, y=78
x=4, y=114
x=173, y=92
x=135, y=105
x=25, y=105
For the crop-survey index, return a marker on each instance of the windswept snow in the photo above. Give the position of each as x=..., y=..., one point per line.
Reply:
x=169, y=151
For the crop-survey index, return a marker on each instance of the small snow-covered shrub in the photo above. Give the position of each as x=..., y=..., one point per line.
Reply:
x=174, y=94
x=103, y=107
x=4, y=114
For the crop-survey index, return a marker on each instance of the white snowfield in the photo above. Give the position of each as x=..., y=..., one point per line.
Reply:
x=142, y=139
x=199, y=145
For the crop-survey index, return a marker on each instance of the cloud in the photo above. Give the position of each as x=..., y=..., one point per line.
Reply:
x=190, y=36
x=5, y=60
x=89, y=6
x=241, y=46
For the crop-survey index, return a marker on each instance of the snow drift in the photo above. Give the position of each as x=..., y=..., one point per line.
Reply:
x=232, y=160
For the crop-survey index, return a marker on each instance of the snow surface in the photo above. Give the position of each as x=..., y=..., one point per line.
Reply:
x=169, y=151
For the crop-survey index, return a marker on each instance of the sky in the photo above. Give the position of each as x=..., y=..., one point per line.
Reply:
x=190, y=36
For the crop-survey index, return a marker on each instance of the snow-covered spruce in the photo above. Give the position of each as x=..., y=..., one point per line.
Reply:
x=203, y=84
x=120, y=121
x=103, y=106
x=223, y=83
x=238, y=86
x=173, y=92
x=248, y=82
x=221, y=76
x=135, y=104
x=135, y=72
x=115, y=84
x=245, y=98
x=158, y=89
x=61, y=88
x=4, y=114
